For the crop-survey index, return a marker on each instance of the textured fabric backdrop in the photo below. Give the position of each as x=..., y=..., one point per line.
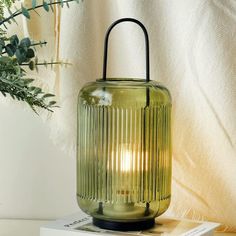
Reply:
x=193, y=53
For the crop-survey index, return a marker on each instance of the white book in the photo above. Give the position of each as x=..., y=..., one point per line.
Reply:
x=80, y=224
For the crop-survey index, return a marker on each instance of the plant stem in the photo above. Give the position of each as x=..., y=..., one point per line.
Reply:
x=35, y=44
x=16, y=13
x=43, y=64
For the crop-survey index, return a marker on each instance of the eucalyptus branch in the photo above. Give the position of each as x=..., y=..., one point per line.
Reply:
x=46, y=63
x=34, y=64
x=18, y=12
x=23, y=93
x=17, y=53
x=39, y=43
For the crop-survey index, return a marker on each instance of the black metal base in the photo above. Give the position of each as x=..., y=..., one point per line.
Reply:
x=124, y=226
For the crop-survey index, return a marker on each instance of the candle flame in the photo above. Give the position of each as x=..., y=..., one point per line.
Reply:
x=126, y=160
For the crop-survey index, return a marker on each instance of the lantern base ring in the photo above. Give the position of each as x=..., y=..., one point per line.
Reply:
x=124, y=226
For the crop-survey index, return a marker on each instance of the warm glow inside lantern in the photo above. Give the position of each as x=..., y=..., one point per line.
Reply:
x=124, y=149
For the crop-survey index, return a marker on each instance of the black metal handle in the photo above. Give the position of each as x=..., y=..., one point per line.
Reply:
x=106, y=45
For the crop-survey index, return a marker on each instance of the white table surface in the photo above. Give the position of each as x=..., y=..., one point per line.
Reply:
x=20, y=227
x=12, y=227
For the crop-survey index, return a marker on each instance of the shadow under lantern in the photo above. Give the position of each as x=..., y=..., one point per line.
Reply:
x=124, y=148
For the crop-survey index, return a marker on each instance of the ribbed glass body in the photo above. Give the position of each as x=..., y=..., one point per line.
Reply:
x=124, y=149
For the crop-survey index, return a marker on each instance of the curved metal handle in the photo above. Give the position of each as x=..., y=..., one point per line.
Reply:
x=106, y=46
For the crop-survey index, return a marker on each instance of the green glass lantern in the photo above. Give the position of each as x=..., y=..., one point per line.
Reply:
x=124, y=148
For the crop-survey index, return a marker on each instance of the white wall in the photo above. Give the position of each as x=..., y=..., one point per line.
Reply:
x=37, y=180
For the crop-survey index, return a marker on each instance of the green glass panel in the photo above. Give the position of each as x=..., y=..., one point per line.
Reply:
x=124, y=149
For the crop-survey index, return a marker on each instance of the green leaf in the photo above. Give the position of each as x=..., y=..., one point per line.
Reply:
x=10, y=49
x=2, y=42
x=31, y=65
x=5, y=60
x=37, y=90
x=32, y=88
x=45, y=6
x=4, y=94
x=52, y=103
x=61, y=3
x=30, y=53
x=34, y=3
x=25, y=12
x=5, y=26
x=51, y=6
x=20, y=55
x=14, y=40
x=2, y=45
x=25, y=42
x=48, y=95
x=12, y=96
x=28, y=81
x=23, y=49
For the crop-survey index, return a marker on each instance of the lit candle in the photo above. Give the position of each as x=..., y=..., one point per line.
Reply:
x=125, y=164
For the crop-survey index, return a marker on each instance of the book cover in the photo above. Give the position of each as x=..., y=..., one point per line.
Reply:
x=81, y=224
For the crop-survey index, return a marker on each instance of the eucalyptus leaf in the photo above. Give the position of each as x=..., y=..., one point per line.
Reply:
x=30, y=53
x=2, y=42
x=20, y=55
x=5, y=25
x=48, y=95
x=10, y=49
x=2, y=45
x=14, y=40
x=31, y=65
x=28, y=81
x=32, y=88
x=61, y=3
x=51, y=6
x=45, y=6
x=3, y=93
x=51, y=103
x=4, y=59
x=25, y=42
x=37, y=90
x=25, y=12
x=34, y=3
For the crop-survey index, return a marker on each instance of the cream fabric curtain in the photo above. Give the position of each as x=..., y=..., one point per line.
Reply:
x=193, y=53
